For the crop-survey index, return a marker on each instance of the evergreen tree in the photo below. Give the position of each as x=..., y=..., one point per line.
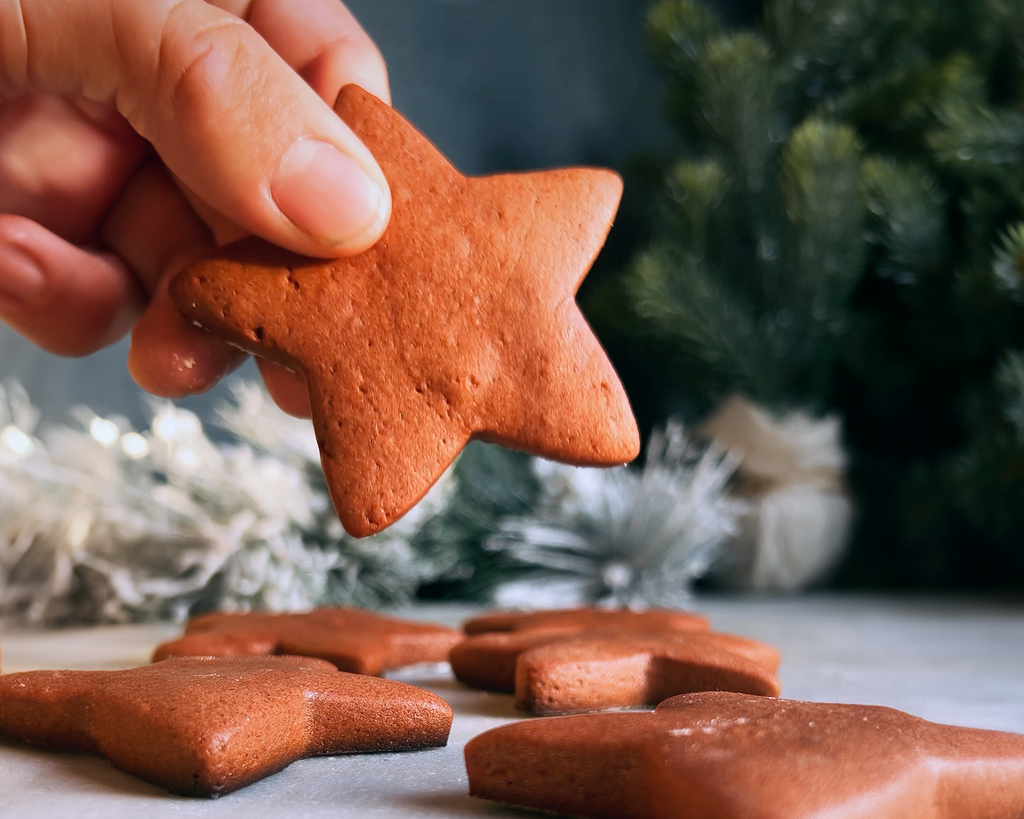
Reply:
x=845, y=232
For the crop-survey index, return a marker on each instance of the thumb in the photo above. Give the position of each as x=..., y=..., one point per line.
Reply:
x=225, y=113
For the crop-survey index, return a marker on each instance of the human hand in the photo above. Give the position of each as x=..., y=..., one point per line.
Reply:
x=135, y=135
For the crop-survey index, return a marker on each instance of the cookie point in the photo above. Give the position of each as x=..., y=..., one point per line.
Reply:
x=606, y=188
x=186, y=286
x=611, y=181
x=353, y=95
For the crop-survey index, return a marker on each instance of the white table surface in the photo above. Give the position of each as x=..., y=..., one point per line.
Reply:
x=959, y=662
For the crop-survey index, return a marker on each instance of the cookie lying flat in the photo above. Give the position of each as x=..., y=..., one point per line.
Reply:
x=586, y=618
x=351, y=639
x=459, y=323
x=208, y=726
x=730, y=756
x=553, y=673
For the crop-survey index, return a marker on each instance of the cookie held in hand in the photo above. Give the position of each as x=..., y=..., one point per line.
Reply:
x=208, y=726
x=460, y=323
x=558, y=673
x=731, y=756
x=352, y=640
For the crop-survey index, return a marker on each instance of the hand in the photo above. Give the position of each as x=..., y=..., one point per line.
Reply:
x=135, y=135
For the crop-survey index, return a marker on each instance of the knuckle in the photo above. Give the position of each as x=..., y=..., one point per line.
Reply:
x=174, y=61
x=198, y=67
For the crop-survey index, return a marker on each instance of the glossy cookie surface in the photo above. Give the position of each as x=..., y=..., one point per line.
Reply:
x=351, y=639
x=208, y=726
x=732, y=756
x=558, y=672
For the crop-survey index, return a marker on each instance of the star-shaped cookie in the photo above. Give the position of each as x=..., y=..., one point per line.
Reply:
x=558, y=673
x=352, y=640
x=731, y=756
x=208, y=726
x=460, y=323
x=587, y=618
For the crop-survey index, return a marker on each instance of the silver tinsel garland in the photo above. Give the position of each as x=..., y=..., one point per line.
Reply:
x=622, y=537
x=100, y=522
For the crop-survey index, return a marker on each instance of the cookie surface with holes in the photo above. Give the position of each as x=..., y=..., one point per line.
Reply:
x=351, y=639
x=460, y=323
x=731, y=756
x=208, y=726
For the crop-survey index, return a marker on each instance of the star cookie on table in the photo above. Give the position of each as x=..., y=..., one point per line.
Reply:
x=583, y=619
x=208, y=726
x=353, y=640
x=460, y=323
x=731, y=756
x=553, y=673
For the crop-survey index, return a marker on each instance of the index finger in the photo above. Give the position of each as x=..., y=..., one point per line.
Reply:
x=324, y=43
x=321, y=40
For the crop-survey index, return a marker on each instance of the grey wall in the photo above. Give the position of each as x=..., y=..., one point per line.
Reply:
x=511, y=84
x=497, y=84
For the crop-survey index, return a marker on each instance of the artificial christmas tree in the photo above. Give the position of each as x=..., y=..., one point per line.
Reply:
x=845, y=234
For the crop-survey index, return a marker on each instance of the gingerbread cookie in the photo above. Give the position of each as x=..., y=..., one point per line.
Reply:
x=553, y=673
x=459, y=323
x=208, y=726
x=353, y=640
x=728, y=756
x=584, y=619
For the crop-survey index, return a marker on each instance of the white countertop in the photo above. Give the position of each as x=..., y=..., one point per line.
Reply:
x=959, y=662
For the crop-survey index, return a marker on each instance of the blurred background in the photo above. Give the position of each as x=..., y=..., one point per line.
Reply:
x=818, y=269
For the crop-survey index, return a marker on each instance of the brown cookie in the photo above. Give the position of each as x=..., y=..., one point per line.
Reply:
x=208, y=726
x=716, y=755
x=353, y=640
x=459, y=323
x=586, y=618
x=554, y=673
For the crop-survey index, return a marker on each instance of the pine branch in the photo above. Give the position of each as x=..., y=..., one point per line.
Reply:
x=824, y=45
x=821, y=180
x=894, y=109
x=712, y=330
x=988, y=481
x=978, y=142
x=1007, y=268
x=974, y=28
x=492, y=483
x=737, y=106
x=1010, y=385
x=853, y=211
x=907, y=220
x=696, y=192
x=987, y=207
x=679, y=32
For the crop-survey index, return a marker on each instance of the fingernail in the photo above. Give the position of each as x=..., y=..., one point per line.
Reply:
x=21, y=280
x=328, y=195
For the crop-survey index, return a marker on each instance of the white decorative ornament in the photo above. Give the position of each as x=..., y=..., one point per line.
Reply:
x=102, y=523
x=18, y=444
x=621, y=537
x=791, y=472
